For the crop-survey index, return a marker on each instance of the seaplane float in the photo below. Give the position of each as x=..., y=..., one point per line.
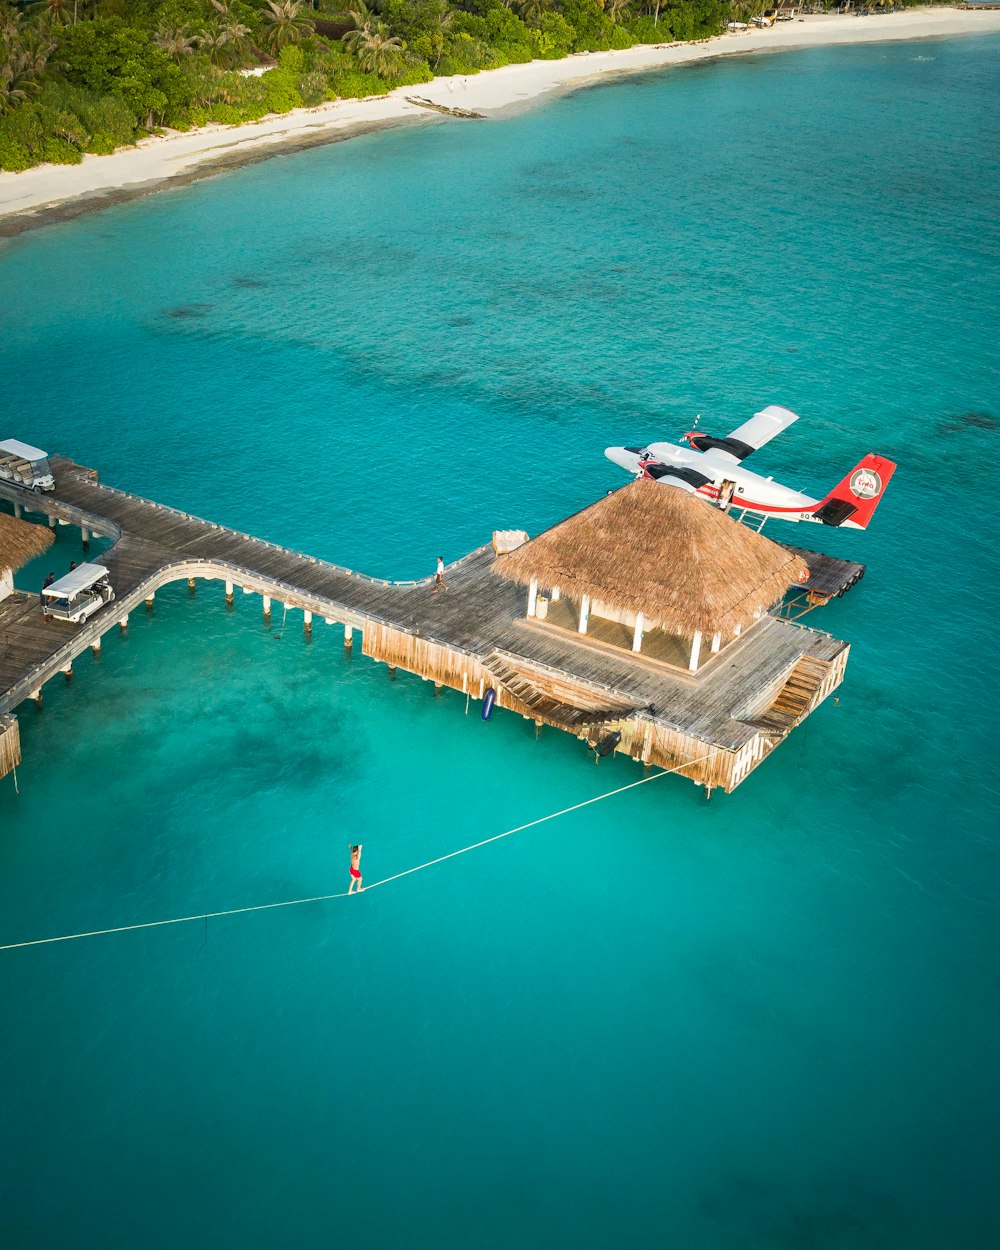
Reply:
x=712, y=467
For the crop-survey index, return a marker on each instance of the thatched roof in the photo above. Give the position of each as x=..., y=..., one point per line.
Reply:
x=20, y=542
x=658, y=550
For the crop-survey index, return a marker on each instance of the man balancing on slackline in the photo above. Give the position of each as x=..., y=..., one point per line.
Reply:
x=356, y=877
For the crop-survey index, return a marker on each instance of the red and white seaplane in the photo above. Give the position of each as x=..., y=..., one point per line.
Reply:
x=712, y=467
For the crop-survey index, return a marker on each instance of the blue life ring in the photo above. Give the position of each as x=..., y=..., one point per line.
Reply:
x=491, y=698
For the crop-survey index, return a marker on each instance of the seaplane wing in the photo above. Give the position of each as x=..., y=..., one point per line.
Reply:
x=674, y=475
x=746, y=438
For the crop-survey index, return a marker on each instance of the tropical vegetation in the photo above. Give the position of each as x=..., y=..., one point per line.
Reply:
x=80, y=76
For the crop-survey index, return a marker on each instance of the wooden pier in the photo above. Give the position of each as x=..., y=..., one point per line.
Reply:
x=474, y=638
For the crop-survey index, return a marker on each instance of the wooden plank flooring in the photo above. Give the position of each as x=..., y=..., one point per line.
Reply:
x=480, y=613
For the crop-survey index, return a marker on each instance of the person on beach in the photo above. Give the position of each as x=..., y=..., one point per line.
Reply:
x=356, y=877
x=439, y=577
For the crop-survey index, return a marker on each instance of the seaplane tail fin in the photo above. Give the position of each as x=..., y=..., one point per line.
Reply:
x=852, y=502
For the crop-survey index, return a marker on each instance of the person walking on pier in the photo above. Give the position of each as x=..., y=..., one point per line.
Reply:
x=356, y=878
x=439, y=577
x=41, y=598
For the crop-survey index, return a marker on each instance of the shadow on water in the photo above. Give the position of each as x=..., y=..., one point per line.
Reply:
x=757, y=1212
x=968, y=421
x=187, y=312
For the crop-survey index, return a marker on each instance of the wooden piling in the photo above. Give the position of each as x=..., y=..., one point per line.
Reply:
x=10, y=744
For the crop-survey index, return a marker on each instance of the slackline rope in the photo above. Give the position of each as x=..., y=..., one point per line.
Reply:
x=324, y=898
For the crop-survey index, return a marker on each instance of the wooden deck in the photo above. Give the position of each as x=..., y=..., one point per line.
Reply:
x=479, y=622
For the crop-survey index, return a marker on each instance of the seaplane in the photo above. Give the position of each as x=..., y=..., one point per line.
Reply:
x=712, y=467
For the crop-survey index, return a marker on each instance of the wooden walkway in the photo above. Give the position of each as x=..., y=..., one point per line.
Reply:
x=481, y=616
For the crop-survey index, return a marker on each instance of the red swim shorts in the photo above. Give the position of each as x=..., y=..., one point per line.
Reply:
x=356, y=874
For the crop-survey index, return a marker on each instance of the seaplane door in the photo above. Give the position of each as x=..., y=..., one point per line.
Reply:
x=726, y=492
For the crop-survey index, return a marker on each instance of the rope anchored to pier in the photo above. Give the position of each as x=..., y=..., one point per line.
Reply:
x=324, y=898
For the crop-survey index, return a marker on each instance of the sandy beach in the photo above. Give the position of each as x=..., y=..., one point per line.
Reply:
x=55, y=192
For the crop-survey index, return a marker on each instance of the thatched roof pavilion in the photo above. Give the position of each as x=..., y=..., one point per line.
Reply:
x=662, y=557
x=20, y=542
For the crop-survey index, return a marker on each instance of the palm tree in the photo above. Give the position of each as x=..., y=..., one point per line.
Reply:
x=360, y=14
x=443, y=20
x=24, y=53
x=176, y=41
x=13, y=88
x=613, y=9
x=530, y=11
x=10, y=24
x=286, y=24
x=377, y=51
x=56, y=10
x=215, y=40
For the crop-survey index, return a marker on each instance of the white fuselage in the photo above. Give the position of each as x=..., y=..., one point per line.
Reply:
x=750, y=490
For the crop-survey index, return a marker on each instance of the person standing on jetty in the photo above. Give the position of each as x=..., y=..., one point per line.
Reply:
x=41, y=597
x=439, y=577
x=356, y=877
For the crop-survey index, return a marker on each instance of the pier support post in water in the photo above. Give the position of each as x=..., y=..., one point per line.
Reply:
x=191, y=585
x=149, y=601
x=392, y=672
x=307, y=621
x=37, y=696
x=637, y=633
x=267, y=609
x=349, y=641
x=68, y=671
x=95, y=646
x=18, y=511
x=84, y=537
x=229, y=594
x=123, y=625
x=52, y=522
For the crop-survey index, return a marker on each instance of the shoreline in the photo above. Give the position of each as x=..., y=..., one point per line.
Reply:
x=47, y=194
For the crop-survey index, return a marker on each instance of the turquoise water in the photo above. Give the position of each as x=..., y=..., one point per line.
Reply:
x=767, y=1021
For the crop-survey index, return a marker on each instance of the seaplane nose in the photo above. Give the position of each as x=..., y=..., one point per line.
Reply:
x=624, y=457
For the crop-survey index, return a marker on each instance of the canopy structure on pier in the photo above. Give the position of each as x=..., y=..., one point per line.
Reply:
x=653, y=559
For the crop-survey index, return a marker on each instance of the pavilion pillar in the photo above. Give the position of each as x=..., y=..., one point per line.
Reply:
x=695, y=651
x=554, y=594
x=637, y=634
x=532, y=595
x=737, y=630
x=716, y=643
x=584, y=614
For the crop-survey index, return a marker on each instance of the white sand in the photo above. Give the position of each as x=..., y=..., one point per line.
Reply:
x=160, y=160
